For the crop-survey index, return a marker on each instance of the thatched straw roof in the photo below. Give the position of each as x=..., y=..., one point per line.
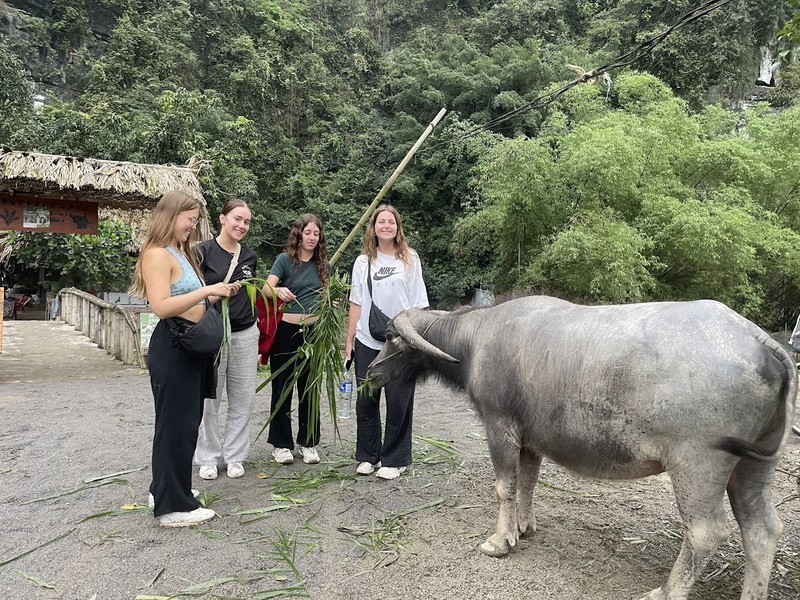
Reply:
x=122, y=190
x=111, y=184
x=5, y=249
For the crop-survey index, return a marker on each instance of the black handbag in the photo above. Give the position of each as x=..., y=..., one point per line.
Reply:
x=378, y=321
x=202, y=339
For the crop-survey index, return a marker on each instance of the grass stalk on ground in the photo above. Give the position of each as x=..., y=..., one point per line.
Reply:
x=436, y=451
x=381, y=537
x=308, y=481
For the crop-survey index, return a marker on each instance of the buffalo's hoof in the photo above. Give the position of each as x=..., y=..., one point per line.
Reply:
x=489, y=549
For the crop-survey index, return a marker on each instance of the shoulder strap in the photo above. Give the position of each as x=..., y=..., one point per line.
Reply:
x=184, y=262
x=234, y=262
x=175, y=252
x=369, y=280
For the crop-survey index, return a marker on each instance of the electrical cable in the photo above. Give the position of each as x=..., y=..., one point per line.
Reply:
x=630, y=57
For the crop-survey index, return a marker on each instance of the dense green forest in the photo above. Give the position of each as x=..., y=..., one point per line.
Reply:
x=641, y=190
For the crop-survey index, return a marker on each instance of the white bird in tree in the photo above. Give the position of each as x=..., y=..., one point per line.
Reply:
x=591, y=77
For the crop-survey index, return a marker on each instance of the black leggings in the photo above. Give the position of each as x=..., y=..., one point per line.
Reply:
x=178, y=381
x=288, y=340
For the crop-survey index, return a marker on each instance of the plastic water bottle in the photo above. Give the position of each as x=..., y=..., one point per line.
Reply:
x=344, y=397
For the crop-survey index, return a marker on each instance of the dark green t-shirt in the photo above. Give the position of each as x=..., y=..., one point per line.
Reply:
x=306, y=285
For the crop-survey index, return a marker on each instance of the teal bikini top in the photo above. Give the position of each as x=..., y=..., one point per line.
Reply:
x=188, y=281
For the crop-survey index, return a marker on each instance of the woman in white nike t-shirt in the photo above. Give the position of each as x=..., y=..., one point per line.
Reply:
x=396, y=278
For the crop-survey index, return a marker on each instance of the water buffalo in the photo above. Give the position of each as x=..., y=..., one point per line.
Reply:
x=619, y=392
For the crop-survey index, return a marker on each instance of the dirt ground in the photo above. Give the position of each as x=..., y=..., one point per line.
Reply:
x=316, y=529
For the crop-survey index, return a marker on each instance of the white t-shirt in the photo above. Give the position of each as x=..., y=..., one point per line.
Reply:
x=395, y=287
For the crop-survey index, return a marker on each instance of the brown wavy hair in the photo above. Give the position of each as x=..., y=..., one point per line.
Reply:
x=402, y=249
x=296, y=238
x=161, y=233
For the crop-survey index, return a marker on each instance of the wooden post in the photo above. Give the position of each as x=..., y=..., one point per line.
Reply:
x=389, y=182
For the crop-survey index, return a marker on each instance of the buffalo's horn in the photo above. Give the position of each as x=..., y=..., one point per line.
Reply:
x=406, y=330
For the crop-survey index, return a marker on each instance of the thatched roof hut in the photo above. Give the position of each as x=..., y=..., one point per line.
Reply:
x=119, y=189
x=112, y=184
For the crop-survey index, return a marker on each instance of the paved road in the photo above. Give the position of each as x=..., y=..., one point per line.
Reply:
x=50, y=350
x=70, y=414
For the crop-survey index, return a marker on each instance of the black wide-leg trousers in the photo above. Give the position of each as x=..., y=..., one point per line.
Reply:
x=395, y=450
x=178, y=382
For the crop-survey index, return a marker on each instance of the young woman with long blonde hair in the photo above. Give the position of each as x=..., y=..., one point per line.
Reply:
x=395, y=276
x=167, y=275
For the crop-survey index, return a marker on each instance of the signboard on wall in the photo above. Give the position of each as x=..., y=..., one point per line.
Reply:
x=47, y=215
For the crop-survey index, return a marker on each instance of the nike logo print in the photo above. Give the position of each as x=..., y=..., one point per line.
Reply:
x=384, y=272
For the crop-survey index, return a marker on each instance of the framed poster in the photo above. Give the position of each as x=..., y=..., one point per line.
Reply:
x=36, y=217
x=20, y=212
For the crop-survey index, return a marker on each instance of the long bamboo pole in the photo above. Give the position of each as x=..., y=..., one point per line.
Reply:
x=386, y=186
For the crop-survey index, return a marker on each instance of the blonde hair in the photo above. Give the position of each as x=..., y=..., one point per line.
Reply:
x=161, y=234
x=402, y=250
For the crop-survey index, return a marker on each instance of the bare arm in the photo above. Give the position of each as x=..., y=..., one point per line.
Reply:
x=283, y=293
x=156, y=271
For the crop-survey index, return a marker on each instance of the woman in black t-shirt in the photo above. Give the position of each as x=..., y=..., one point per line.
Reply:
x=304, y=267
x=239, y=362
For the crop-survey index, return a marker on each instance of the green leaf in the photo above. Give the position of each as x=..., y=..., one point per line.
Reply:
x=40, y=582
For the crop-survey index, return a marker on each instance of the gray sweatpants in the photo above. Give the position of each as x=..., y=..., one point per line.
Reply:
x=236, y=374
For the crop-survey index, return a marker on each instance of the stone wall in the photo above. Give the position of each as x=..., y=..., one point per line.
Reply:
x=101, y=18
x=25, y=24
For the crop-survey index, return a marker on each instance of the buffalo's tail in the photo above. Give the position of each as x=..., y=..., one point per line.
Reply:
x=783, y=416
x=744, y=449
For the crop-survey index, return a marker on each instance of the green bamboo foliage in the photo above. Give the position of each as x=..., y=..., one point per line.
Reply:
x=321, y=352
x=252, y=286
x=225, y=310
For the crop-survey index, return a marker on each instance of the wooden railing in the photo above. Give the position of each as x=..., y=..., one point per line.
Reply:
x=114, y=328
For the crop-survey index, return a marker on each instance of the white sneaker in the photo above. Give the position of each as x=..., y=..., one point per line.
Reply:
x=310, y=455
x=367, y=468
x=235, y=470
x=283, y=456
x=208, y=472
x=151, y=502
x=390, y=472
x=186, y=519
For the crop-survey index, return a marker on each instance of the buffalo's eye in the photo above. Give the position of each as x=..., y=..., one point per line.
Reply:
x=389, y=336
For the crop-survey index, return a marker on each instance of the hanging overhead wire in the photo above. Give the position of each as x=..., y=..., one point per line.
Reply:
x=639, y=52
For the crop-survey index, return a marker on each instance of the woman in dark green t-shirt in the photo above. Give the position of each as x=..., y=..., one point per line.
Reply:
x=297, y=277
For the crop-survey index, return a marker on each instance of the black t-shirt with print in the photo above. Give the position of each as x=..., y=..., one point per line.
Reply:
x=214, y=263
